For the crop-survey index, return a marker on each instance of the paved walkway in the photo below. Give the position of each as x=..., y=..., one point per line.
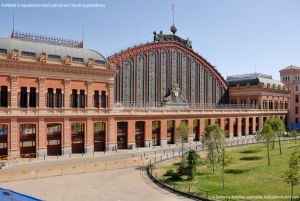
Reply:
x=129, y=184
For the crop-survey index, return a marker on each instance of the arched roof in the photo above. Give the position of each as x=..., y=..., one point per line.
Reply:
x=135, y=50
x=51, y=49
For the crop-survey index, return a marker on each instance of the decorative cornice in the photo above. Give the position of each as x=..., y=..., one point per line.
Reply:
x=35, y=66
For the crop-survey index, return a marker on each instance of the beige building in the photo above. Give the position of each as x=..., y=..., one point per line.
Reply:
x=290, y=76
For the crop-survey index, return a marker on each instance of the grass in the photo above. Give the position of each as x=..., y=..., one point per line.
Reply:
x=247, y=175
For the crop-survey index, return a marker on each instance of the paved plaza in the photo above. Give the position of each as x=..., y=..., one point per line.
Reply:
x=130, y=184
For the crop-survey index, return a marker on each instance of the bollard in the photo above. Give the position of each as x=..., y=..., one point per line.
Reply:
x=56, y=156
x=155, y=152
x=70, y=155
x=44, y=157
x=93, y=152
x=141, y=157
x=164, y=151
x=82, y=153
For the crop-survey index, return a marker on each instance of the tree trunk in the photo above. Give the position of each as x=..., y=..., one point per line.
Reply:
x=268, y=153
x=213, y=160
x=223, y=175
x=273, y=144
x=182, y=154
x=279, y=146
x=292, y=192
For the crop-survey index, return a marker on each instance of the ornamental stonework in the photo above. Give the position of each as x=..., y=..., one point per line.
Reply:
x=68, y=60
x=43, y=57
x=90, y=62
x=14, y=55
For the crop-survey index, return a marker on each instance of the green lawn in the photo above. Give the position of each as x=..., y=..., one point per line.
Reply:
x=247, y=175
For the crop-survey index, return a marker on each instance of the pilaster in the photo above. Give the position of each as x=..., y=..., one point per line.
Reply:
x=42, y=147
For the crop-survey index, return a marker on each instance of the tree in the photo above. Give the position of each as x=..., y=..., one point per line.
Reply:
x=213, y=139
x=182, y=132
x=279, y=129
x=266, y=134
x=225, y=160
x=291, y=176
x=192, y=162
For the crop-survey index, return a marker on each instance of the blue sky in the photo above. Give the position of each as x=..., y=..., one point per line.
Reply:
x=237, y=36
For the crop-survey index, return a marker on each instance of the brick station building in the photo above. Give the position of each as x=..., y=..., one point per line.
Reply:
x=58, y=98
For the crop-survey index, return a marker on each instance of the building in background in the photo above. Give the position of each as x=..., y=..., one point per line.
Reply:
x=58, y=98
x=290, y=76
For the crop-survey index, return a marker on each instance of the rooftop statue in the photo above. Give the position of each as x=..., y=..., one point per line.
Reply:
x=160, y=37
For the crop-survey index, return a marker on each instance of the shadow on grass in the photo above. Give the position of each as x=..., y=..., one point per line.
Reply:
x=251, y=158
x=250, y=151
x=293, y=147
x=236, y=171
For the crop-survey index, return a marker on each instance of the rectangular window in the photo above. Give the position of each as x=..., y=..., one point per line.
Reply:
x=296, y=98
x=74, y=98
x=54, y=57
x=50, y=96
x=32, y=97
x=82, y=99
x=3, y=51
x=296, y=120
x=4, y=96
x=28, y=54
x=58, y=98
x=23, y=97
x=99, y=62
x=103, y=99
x=96, y=99
x=77, y=59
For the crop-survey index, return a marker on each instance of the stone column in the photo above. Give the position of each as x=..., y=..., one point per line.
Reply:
x=261, y=122
x=14, y=91
x=14, y=138
x=67, y=141
x=222, y=125
x=89, y=94
x=110, y=87
x=190, y=135
x=42, y=93
x=111, y=139
x=254, y=125
x=239, y=126
x=42, y=139
x=246, y=126
x=202, y=127
x=131, y=134
x=89, y=138
x=231, y=126
x=176, y=137
x=67, y=94
x=148, y=133
x=163, y=132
